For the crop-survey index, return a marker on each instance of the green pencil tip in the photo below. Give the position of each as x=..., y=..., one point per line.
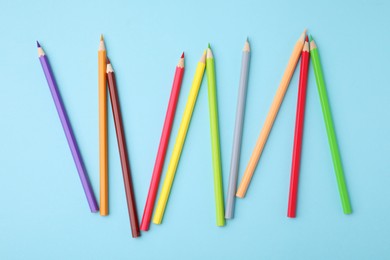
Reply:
x=310, y=37
x=209, y=46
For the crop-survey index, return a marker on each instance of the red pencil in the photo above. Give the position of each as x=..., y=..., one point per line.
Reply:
x=296, y=157
x=122, y=150
x=162, y=149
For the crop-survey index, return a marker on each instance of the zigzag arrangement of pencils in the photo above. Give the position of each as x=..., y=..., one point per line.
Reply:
x=303, y=50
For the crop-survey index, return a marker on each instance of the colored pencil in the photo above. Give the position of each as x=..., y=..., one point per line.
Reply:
x=215, y=143
x=103, y=146
x=67, y=129
x=162, y=148
x=243, y=187
x=120, y=134
x=300, y=115
x=330, y=128
x=178, y=147
x=237, y=137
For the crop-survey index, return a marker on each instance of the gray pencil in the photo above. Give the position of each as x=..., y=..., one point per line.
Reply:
x=236, y=151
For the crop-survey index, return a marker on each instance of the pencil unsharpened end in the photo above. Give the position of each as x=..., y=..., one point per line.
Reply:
x=239, y=195
x=38, y=45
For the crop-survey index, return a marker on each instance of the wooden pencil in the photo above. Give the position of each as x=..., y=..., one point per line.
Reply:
x=68, y=130
x=178, y=147
x=103, y=144
x=338, y=167
x=237, y=137
x=254, y=159
x=120, y=134
x=215, y=140
x=297, y=148
x=162, y=148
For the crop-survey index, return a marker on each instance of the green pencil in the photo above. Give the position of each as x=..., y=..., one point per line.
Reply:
x=215, y=145
x=330, y=128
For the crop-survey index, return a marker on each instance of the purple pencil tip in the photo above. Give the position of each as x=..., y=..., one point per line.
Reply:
x=38, y=45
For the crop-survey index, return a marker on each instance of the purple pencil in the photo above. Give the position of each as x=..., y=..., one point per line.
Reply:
x=68, y=130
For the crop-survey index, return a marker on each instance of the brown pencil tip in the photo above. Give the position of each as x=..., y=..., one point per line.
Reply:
x=108, y=60
x=182, y=55
x=101, y=37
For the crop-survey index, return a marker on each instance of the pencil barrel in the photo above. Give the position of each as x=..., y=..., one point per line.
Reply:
x=215, y=143
x=103, y=145
x=179, y=143
x=121, y=139
x=331, y=132
x=237, y=137
x=265, y=131
x=69, y=134
x=297, y=148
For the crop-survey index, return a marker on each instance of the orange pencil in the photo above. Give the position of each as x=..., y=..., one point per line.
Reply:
x=103, y=156
x=271, y=116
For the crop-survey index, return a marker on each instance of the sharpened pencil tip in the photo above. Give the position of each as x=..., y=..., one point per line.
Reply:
x=38, y=45
x=247, y=39
x=208, y=46
x=101, y=37
x=108, y=60
x=310, y=37
x=307, y=38
x=182, y=55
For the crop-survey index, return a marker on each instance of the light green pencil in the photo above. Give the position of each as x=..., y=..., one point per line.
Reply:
x=215, y=145
x=330, y=128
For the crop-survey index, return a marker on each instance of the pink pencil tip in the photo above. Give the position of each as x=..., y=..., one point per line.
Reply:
x=182, y=55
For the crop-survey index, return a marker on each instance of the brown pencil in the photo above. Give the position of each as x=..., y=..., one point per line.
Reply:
x=122, y=150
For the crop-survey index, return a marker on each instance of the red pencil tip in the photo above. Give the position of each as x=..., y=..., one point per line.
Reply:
x=38, y=45
x=307, y=38
x=182, y=55
x=108, y=61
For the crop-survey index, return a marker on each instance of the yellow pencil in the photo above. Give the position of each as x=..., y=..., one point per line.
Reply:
x=181, y=136
x=102, y=84
x=292, y=63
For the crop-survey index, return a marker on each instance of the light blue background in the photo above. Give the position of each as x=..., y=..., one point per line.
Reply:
x=44, y=214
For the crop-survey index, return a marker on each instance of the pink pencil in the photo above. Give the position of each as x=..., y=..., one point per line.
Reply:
x=162, y=149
